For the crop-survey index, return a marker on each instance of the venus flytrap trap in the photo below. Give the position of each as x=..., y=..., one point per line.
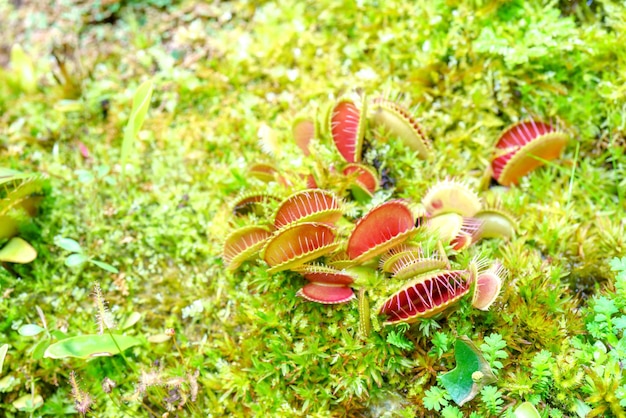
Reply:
x=20, y=196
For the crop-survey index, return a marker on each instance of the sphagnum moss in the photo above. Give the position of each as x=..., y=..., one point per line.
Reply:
x=222, y=70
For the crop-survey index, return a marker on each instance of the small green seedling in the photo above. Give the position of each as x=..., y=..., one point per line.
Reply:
x=78, y=257
x=141, y=103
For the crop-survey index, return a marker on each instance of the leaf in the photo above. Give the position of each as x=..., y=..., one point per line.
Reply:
x=22, y=66
x=526, y=410
x=74, y=260
x=28, y=403
x=471, y=373
x=130, y=320
x=3, y=354
x=159, y=338
x=68, y=244
x=40, y=348
x=87, y=346
x=141, y=103
x=8, y=227
x=17, y=251
x=104, y=266
x=399, y=340
x=30, y=330
x=618, y=264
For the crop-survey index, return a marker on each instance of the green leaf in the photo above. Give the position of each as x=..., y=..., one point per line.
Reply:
x=30, y=330
x=526, y=410
x=74, y=260
x=68, y=244
x=141, y=103
x=104, y=266
x=23, y=68
x=87, y=346
x=130, y=320
x=3, y=354
x=435, y=398
x=8, y=227
x=17, y=251
x=618, y=264
x=40, y=348
x=471, y=373
x=397, y=338
x=28, y=403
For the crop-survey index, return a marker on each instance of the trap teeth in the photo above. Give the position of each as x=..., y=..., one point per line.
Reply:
x=398, y=121
x=383, y=227
x=425, y=296
x=313, y=205
x=297, y=244
x=346, y=124
x=243, y=244
x=523, y=147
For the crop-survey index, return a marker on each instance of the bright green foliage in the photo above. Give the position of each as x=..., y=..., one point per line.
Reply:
x=435, y=398
x=470, y=374
x=441, y=343
x=397, y=338
x=244, y=344
x=542, y=364
x=491, y=398
x=86, y=346
x=451, y=411
x=493, y=351
x=141, y=104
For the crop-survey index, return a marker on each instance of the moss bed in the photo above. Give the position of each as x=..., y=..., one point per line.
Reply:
x=229, y=79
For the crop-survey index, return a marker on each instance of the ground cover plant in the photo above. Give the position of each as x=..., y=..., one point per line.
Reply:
x=152, y=132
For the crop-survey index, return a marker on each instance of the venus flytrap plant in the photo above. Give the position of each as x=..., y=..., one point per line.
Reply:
x=20, y=195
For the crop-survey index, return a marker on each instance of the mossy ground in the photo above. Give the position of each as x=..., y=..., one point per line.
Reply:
x=223, y=70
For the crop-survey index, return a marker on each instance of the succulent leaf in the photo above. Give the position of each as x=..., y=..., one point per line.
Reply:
x=487, y=287
x=365, y=183
x=303, y=132
x=263, y=171
x=17, y=251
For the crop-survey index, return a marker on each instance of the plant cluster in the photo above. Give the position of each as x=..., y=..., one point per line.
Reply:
x=138, y=206
x=310, y=224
